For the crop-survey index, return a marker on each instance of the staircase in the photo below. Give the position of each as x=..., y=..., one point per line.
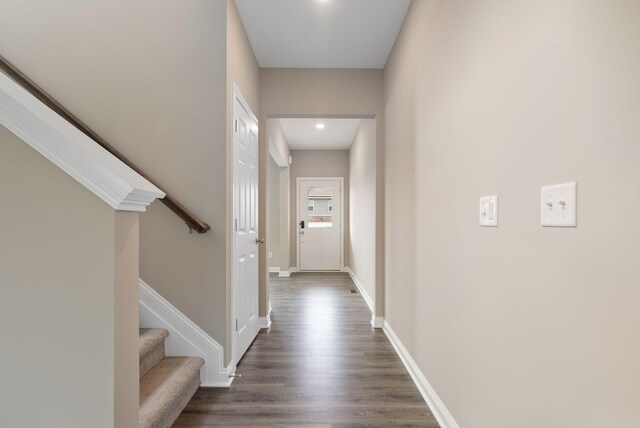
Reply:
x=166, y=383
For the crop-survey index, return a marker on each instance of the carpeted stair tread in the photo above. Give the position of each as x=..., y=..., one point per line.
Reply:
x=167, y=389
x=150, y=338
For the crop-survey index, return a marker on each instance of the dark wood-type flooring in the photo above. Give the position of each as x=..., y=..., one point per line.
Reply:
x=321, y=364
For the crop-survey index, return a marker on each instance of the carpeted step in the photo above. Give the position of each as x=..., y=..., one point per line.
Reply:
x=166, y=390
x=151, y=348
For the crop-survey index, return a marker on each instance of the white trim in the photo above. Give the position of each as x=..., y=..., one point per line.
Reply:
x=361, y=289
x=185, y=338
x=72, y=151
x=285, y=273
x=342, y=227
x=442, y=415
x=377, y=322
x=265, y=322
x=274, y=269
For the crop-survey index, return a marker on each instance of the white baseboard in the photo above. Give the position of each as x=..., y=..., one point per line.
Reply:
x=284, y=274
x=361, y=289
x=185, y=338
x=377, y=322
x=265, y=322
x=442, y=415
x=274, y=269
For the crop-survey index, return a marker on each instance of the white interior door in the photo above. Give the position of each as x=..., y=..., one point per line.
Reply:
x=246, y=238
x=320, y=224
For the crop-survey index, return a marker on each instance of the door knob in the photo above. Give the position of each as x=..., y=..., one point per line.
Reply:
x=259, y=240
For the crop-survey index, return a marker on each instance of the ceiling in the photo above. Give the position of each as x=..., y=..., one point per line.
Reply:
x=322, y=33
x=302, y=134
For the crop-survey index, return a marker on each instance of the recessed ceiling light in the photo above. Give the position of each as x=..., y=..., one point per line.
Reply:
x=320, y=125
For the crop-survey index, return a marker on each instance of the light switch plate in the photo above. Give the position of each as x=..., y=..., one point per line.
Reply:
x=558, y=205
x=489, y=211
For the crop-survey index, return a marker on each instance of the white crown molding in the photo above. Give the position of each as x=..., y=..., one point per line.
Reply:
x=72, y=151
x=442, y=415
x=185, y=338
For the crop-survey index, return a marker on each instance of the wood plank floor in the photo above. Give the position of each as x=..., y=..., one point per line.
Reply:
x=321, y=364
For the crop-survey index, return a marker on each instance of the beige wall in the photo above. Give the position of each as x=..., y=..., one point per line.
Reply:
x=362, y=210
x=517, y=325
x=285, y=217
x=327, y=93
x=163, y=99
x=57, y=258
x=278, y=148
x=277, y=142
x=126, y=343
x=318, y=163
x=155, y=89
x=273, y=233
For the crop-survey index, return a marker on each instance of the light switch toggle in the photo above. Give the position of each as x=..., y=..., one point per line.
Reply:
x=489, y=211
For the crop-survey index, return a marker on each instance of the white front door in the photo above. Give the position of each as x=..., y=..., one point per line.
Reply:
x=320, y=224
x=245, y=224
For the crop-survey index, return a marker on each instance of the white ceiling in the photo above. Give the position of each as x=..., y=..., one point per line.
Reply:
x=302, y=134
x=322, y=33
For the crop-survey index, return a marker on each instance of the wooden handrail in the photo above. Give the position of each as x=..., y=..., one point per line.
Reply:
x=193, y=222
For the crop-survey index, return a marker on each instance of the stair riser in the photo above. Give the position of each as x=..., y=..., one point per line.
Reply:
x=177, y=406
x=151, y=358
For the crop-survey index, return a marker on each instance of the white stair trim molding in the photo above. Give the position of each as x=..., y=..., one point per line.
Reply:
x=72, y=151
x=284, y=273
x=185, y=338
x=274, y=269
x=442, y=415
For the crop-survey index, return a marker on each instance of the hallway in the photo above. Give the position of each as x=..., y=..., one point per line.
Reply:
x=320, y=364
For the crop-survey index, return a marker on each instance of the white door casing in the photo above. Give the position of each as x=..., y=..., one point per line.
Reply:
x=245, y=227
x=320, y=241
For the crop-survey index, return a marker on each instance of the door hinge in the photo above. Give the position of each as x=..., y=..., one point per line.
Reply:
x=236, y=224
x=236, y=125
x=236, y=324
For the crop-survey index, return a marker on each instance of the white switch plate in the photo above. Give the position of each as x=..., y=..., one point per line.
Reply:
x=489, y=211
x=558, y=205
x=270, y=255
